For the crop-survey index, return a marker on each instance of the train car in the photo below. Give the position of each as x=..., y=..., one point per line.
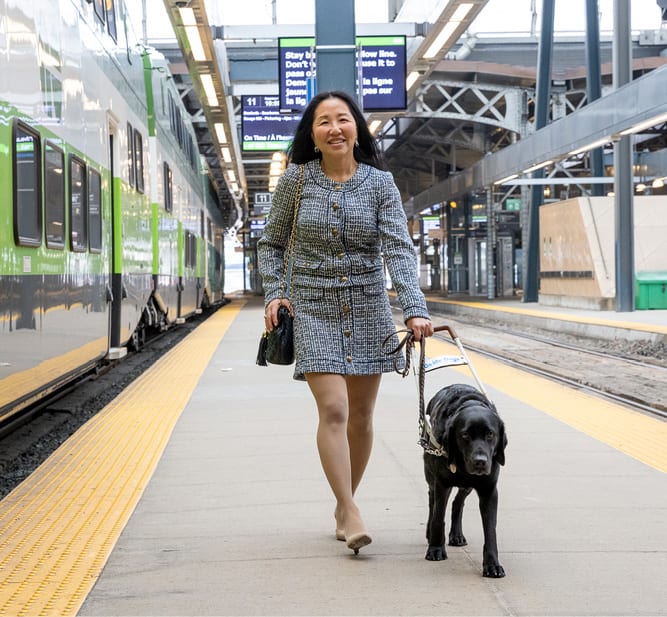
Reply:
x=107, y=223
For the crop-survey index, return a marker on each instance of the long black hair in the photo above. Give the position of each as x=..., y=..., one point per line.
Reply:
x=302, y=148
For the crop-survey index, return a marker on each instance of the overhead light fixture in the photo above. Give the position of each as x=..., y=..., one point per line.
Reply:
x=448, y=29
x=641, y=187
x=507, y=179
x=220, y=133
x=658, y=183
x=536, y=167
x=188, y=17
x=231, y=176
x=196, y=46
x=209, y=89
x=374, y=126
x=410, y=80
x=591, y=146
x=226, y=154
x=645, y=124
x=192, y=32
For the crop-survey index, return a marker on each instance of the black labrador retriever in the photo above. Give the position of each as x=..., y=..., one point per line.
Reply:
x=468, y=428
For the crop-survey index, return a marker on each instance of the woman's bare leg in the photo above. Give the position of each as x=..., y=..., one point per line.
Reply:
x=362, y=393
x=344, y=441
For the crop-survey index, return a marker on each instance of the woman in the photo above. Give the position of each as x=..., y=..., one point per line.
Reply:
x=350, y=224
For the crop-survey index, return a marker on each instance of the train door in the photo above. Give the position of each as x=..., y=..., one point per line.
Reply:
x=115, y=292
x=477, y=261
x=505, y=266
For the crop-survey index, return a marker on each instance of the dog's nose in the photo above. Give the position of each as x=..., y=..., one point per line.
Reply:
x=480, y=462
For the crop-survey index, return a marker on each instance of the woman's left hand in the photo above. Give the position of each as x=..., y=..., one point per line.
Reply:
x=420, y=327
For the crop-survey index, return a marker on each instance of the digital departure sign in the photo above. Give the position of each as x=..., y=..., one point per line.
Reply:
x=383, y=68
x=263, y=126
x=382, y=72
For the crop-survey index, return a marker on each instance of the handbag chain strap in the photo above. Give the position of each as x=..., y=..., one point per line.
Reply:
x=290, y=244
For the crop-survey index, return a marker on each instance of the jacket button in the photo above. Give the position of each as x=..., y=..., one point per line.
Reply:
x=338, y=187
x=349, y=358
x=334, y=231
x=340, y=255
x=348, y=333
x=343, y=279
x=335, y=206
x=346, y=308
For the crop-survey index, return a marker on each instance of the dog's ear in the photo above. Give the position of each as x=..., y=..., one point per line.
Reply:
x=499, y=454
x=449, y=443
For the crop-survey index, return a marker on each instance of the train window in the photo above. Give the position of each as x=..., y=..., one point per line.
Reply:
x=54, y=196
x=27, y=186
x=172, y=113
x=139, y=160
x=94, y=211
x=193, y=156
x=179, y=127
x=98, y=5
x=111, y=19
x=168, y=188
x=130, y=155
x=77, y=204
x=187, y=256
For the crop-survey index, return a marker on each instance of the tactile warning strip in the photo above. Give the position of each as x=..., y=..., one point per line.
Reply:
x=58, y=527
x=637, y=435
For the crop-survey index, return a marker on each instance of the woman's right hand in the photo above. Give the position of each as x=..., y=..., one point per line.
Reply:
x=271, y=312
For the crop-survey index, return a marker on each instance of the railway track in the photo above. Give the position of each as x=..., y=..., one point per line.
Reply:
x=637, y=382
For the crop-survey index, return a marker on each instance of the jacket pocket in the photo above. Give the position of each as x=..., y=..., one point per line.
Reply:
x=363, y=266
x=307, y=265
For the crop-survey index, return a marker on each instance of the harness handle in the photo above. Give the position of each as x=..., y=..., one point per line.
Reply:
x=426, y=438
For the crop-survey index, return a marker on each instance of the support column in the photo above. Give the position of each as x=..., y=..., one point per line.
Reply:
x=594, y=82
x=623, y=188
x=532, y=274
x=335, y=42
x=491, y=244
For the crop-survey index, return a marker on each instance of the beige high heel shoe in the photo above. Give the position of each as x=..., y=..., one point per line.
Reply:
x=358, y=540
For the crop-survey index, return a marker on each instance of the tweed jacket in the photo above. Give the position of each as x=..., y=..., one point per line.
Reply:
x=345, y=235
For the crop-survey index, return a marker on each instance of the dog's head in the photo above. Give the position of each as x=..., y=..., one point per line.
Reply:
x=469, y=428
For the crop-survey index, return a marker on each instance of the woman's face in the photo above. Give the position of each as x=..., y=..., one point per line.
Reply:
x=334, y=129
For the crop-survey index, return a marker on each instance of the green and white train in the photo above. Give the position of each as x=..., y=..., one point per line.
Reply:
x=108, y=222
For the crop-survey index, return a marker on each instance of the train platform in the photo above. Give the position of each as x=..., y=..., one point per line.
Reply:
x=198, y=491
x=638, y=325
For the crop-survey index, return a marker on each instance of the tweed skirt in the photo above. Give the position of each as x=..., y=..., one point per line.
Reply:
x=342, y=330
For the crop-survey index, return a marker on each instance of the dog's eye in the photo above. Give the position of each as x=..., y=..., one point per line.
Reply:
x=490, y=436
x=465, y=436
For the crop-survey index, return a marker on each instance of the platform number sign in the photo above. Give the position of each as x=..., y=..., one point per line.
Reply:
x=262, y=203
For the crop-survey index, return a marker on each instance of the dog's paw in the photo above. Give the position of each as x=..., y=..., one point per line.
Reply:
x=436, y=553
x=494, y=570
x=457, y=539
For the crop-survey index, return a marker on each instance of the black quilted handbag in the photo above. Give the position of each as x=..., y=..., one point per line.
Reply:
x=277, y=346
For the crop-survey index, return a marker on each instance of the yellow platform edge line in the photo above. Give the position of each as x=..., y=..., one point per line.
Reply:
x=555, y=315
x=635, y=434
x=58, y=528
